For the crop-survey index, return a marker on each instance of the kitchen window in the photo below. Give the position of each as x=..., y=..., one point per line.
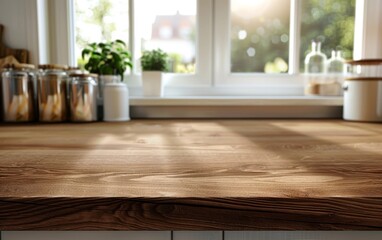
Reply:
x=259, y=36
x=234, y=47
x=260, y=32
x=330, y=22
x=100, y=20
x=265, y=40
x=172, y=25
x=169, y=25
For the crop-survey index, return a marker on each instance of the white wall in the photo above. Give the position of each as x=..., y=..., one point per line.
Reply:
x=373, y=30
x=369, y=38
x=19, y=18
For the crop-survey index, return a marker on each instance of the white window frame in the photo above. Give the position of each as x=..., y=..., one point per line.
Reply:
x=203, y=74
x=223, y=74
x=213, y=75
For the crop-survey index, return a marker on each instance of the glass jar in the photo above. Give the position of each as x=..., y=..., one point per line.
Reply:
x=18, y=85
x=73, y=70
x=335, y=75
x=83, y=93
x=336, y=64
x=52, y=93
x=315, y=60
x=316, y=79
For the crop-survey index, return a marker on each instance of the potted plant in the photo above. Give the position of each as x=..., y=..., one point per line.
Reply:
x=109, y=60
x=153, y=64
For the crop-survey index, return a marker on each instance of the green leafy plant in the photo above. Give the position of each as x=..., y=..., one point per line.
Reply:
x=154, y=60
x=110, y=58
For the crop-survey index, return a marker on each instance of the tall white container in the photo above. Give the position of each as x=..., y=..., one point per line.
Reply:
x=363, y=90
x=363, y=99
x=116, y=102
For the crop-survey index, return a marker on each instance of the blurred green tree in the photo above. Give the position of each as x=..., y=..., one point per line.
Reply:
x=260, y=37
x=100, y=9
x=328, y=21
x=265, y=41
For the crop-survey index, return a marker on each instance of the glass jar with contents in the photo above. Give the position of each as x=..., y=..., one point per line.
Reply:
x=18, y=85
x=83, y=93
x=69, y=71
x=335, y=75
x=315, y=69
x=52, y=93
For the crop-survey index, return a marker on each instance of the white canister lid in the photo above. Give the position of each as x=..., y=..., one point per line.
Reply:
x=364, y=79
x=376, y=61
x=116, y=85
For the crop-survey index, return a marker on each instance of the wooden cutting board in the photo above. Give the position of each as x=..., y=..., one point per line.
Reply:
x=20, y=54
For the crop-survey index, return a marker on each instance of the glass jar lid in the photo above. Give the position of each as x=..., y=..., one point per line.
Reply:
x=375, y=61
x=52, y=67
x=83, y=75
x=19, y=66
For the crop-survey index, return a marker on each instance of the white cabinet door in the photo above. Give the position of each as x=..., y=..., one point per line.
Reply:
x=192, y=235
x=302, y=235
x=147, y=235
x=85, y=235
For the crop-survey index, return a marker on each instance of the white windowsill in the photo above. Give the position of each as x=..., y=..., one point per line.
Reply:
x=237, y=101
x=218, y=107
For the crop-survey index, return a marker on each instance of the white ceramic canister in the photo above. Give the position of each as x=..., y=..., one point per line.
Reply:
x=363, y=99
x=116, y=102
x=102, y=81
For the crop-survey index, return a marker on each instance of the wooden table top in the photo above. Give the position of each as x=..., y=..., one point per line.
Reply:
x=192, y=174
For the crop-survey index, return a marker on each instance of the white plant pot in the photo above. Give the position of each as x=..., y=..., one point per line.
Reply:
x=363, y=100
x=153, y=83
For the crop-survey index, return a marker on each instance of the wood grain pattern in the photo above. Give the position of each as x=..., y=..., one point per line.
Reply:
x=86, y=235
x=20, y=54
x=192, y=175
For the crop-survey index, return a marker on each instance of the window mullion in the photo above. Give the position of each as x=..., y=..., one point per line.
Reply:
x=71, y=33
x=204, y=43
x=131, y=32
x=222, y=56
x=294, y=38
